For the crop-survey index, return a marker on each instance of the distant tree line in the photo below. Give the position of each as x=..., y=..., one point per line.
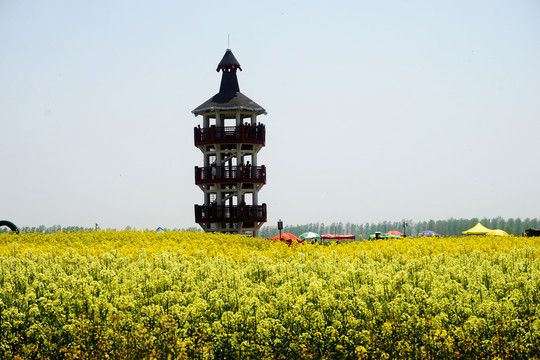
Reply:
x=48, y=229
x=57, y=228
x=450, y=227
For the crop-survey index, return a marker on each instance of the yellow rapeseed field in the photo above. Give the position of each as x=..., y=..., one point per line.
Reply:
x=176, y=295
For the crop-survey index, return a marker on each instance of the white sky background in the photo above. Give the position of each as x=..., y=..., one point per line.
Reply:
x=377, y=110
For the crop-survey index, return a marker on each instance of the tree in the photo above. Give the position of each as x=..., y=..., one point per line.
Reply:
x=518, y=227
x=510, y=226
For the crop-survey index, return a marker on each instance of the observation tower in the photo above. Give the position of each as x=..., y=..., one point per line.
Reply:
x=230, y=139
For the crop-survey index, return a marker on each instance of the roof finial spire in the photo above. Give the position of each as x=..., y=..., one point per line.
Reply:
x=228, y=41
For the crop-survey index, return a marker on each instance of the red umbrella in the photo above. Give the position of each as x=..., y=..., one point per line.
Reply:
x=287, y=237
x=284, y=236
x=395, y=232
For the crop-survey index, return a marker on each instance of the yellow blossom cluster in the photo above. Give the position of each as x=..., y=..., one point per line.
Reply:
x=144, y=294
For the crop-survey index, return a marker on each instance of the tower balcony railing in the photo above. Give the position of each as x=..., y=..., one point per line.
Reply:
x=224, y=174
x=247, y=134
x=230, y=213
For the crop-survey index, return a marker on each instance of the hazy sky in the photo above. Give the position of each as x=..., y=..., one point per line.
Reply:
x=377, y=110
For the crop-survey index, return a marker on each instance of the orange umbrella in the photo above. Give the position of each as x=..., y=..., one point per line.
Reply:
x=395, y=232
x=287, y=238
x=284, y=236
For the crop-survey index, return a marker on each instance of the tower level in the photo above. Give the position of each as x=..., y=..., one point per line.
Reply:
x=230, y=138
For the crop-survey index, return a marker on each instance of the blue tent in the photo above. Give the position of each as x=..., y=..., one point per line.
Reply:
x=160, y=229
x=428, y=233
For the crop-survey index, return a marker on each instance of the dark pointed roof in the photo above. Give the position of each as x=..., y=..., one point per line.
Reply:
x=228, y=62
x=229, y=96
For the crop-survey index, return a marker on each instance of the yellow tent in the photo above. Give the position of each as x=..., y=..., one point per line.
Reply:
x=477, y=229
x=498, y=232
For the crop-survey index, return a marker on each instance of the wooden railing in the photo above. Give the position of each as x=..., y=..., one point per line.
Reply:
x=220, y=174
x=247, y=134
x=230, y=213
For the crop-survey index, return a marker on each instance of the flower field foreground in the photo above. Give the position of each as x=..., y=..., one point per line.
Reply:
x=176, y=295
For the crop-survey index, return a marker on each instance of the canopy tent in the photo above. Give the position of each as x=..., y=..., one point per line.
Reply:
x=532, y=232
x=498, y=232
x=477, y=229
x=337, y=237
